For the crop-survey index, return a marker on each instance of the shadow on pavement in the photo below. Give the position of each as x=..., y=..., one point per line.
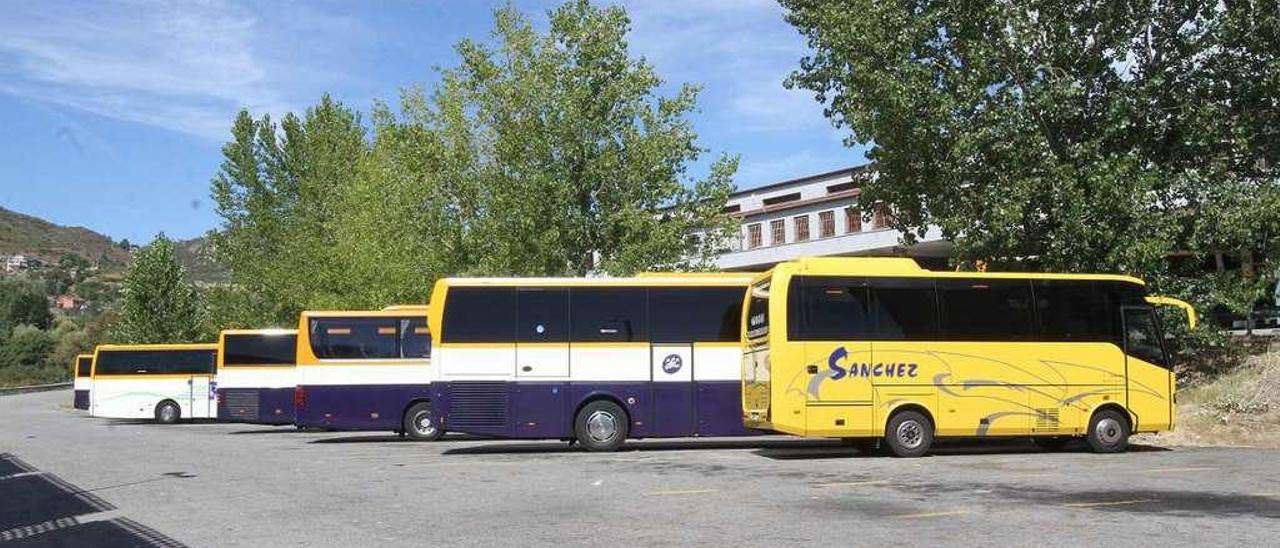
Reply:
x=392, y=438
x=683, y=444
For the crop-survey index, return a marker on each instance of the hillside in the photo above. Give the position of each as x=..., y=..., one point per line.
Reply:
x=29, y=235
x=25, y=234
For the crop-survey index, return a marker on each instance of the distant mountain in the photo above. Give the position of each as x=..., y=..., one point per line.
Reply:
x=29, y=235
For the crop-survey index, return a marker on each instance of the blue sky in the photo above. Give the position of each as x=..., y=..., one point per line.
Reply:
x=112, y=114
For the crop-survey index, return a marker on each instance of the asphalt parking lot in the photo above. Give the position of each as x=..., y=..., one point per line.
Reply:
x=68, y=476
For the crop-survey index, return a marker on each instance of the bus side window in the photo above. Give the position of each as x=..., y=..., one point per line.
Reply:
x=981, y=309
x=415, y=338
x=608, y=314
x=1142, y=338
x=479, y=315
x=694, y=314
x=1071, y=311
x=542, y=315
x=904, y=309
x=828, y=309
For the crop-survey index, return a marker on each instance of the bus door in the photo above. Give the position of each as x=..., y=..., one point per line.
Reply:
x=542, y=361
x=834, y=327
x=202, y=399
x=1148, y=380
x=673, y=389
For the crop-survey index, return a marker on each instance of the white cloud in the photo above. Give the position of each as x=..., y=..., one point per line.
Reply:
x=186, y=66
x=740, y=51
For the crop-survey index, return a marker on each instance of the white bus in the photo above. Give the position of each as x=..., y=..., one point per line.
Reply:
x=165, y=382
x=80, y=370
x=592, y=360
x=257, y=375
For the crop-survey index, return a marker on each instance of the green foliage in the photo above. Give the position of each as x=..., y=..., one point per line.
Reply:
x=22, y=302
x=1070, y=135
x=26, y=346
x=277, y=193
x=159, y=305
x=539, y=154
x=574, y=162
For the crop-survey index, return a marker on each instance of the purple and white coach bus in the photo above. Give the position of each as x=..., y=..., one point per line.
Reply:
x=592, y=360
x=365, y=370
x=257, y=375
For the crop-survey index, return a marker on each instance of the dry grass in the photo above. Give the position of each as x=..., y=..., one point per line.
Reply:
x=1238, y=408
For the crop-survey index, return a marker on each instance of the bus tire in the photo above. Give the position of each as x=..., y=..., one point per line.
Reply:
x=168, y=412
x=909, y=434
x=601, y=426
x=419, y=425
x=1108, y=431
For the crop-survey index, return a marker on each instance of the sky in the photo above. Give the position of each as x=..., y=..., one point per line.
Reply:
x=113, y=114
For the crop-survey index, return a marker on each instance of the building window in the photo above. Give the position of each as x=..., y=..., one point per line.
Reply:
x=802, y=227
x=852, y=220
x=782, y=199
x=880, y=216
x=826, y=224
x=754, y=239
x=778, y=229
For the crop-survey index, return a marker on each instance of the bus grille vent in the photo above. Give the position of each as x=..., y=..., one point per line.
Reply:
x=241, y=403
x=481, y=404
x=1046, y=418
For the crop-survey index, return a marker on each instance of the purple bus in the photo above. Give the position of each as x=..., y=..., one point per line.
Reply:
x=596, y=361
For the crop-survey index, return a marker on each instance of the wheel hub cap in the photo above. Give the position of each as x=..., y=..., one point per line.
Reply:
x=424, y=425
x=601, y=427
x=910, y=434
x=1108, y=431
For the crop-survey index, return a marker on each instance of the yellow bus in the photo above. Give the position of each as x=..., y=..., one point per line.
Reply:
x=879, y=350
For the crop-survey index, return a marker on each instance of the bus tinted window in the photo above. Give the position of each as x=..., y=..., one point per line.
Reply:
x=355, y=338
x=415, y=338
x=1073, y=310
x=758, y=311
x=688, y=314
x=905, y=309
x=985, y=309
x=608, y=314
x=479, y=314
x=259, y=349
x=542, y=315
x=156, y=362
x=828, y=309
x=84, y=366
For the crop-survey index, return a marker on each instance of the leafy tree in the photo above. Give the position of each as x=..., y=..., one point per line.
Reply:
x=572, y=162
x=27, y=346
x=1094, y=135
x=22, y=302
x=277, y=193
x=158, y=304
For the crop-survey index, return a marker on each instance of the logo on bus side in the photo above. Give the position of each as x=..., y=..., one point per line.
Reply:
x=866, y=370
x=672, y=363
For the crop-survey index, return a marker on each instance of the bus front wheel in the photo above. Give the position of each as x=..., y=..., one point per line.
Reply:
x=168, y=412
x=419, y=424
x=1108, y=432
x=601, y=426
x=909, y=434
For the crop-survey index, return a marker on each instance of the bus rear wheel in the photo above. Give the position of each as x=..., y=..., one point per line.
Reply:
x=168, y=412
x=600, y=426
x=419, y=425
x=909, y=434
x=1108, y=432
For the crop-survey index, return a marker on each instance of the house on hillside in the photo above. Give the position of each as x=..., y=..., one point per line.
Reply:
x=69, y=303
x=20, y=262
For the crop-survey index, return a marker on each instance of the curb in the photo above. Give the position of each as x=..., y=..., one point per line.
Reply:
x=34, y=388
